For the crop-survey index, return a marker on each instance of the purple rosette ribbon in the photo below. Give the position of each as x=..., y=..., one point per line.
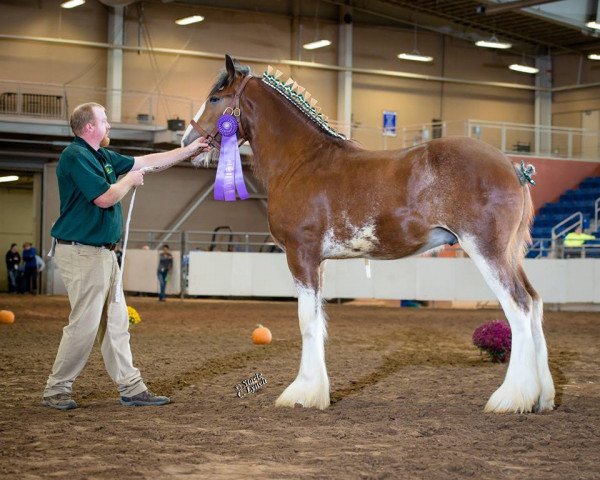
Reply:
x=229, y=170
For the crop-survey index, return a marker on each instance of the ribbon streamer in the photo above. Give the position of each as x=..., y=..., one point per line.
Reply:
x=229, y=169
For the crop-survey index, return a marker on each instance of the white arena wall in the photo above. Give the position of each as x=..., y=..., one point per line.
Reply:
x=241, y=274
x=420, y=278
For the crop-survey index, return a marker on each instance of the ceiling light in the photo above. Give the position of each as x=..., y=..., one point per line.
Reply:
x=415, y=56
x=594, y=56
x=9, y=178
x=493, y=43
x=72, y=3
x=188, y=20
x=595, y=24
x=317, y=44
x=523, y=68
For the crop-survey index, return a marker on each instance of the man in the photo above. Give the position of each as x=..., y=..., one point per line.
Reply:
x=165, y=264
x=87, y=231
x=577, y=238
x=30, y=268
x=12, y=267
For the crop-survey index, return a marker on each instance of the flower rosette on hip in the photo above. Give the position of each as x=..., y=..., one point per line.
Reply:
x=229, y=170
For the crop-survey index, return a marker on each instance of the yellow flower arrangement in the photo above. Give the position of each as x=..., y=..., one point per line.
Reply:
x=134, y=316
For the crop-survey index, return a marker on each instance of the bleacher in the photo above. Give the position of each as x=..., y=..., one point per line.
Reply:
x=581, y=199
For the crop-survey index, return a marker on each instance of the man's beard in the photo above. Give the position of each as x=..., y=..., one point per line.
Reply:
x=105, y=141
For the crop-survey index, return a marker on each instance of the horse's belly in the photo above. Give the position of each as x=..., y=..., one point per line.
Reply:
x=359, y=242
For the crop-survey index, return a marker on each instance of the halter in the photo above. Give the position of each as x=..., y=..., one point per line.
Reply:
x=231, y=109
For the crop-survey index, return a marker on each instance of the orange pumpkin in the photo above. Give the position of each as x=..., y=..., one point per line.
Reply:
x=6, y=316
x=261, y=335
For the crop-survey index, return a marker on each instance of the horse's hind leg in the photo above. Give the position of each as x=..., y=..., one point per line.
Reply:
x=521, y=388
x=311, y=386
x=546, y=400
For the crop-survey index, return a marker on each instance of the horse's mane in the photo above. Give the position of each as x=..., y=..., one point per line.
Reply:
x=300, y=98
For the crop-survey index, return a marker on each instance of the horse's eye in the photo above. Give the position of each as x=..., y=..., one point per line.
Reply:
x=214, y=99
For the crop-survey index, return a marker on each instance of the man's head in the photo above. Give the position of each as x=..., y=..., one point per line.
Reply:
x=26, y=246
x=165, y=248
x=13, y=247
x=89, y=122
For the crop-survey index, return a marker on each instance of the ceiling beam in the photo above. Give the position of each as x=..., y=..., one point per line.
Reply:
x=509, y=6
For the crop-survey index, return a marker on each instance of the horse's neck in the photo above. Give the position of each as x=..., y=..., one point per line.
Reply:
x=282, y=138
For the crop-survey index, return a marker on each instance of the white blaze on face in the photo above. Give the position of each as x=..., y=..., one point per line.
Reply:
x=190, y=128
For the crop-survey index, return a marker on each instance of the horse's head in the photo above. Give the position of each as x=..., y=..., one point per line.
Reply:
x=221, y=99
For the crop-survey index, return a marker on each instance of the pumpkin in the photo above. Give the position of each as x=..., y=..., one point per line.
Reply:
x=6, y=316
x=261, y=335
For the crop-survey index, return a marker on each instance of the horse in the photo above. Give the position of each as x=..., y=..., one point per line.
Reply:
x=329, y=198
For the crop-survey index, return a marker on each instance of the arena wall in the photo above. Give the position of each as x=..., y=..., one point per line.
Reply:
x=454, y=279
x=239, y=274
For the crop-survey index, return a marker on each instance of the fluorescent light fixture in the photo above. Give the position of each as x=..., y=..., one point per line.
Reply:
x=188, y=20
x=9, y=178
x=415, y=57
x=72, y=3
x=523, y=68
x=493, y=43
x=595, y=24
x=594, y=56
x=317, y=44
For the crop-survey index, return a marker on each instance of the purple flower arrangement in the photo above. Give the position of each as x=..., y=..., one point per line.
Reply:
x=494, y=339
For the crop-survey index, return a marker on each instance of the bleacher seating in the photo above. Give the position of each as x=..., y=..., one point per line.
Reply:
x=581, y=199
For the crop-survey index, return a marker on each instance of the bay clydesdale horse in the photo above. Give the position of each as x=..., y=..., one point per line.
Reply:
x=328, y=198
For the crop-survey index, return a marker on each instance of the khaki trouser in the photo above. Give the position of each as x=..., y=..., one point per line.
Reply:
x=90, y=275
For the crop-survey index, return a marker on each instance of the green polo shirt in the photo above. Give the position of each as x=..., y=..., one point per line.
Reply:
x=83, y=175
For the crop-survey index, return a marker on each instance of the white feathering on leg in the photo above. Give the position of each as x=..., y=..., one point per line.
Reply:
x=311, y=386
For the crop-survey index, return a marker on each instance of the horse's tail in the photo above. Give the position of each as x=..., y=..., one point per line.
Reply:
x=524, y=229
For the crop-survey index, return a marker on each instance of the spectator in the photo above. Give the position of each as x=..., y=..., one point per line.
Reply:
x=12, y=267
x=165, y=264
x=30, y=270
x=577, y=238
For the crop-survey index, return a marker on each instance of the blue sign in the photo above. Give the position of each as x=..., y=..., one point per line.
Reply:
x=389, y=123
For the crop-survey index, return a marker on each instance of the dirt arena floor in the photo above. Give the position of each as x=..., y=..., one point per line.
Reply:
x=408, y=391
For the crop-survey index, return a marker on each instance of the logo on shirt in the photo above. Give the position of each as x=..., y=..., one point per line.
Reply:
x=108, y=169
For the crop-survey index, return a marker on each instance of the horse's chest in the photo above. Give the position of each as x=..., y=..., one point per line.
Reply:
x=351, y=241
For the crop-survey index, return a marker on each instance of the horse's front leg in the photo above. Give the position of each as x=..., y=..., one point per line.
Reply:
x=311, y=386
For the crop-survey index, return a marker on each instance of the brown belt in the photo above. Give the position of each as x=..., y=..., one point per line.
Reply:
x=108, y=246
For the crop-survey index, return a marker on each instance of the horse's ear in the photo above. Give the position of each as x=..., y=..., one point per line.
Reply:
x=230, y=66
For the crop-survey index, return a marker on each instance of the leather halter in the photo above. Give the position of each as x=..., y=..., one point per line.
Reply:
x=235, y=111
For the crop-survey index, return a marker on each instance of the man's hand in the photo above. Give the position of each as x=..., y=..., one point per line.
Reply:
x=197, y=147
x=134, y=178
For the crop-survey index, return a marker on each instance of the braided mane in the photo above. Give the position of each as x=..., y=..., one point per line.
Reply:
x=300, y=98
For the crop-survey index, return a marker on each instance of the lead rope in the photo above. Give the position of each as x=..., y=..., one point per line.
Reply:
x=119, y=286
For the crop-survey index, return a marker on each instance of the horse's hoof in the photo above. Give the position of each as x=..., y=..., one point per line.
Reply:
x=306, y=395
x=511, y=400
x=542, y=406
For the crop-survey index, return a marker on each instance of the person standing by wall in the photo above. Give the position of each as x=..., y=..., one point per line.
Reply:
x=86, y=233
x=13, y=259
x=165, y=265
x=30, y=271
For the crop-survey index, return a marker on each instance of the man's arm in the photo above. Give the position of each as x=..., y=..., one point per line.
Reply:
x=118, y=190
x=163, y=160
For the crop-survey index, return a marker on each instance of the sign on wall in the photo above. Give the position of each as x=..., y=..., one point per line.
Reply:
x=389, y=123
